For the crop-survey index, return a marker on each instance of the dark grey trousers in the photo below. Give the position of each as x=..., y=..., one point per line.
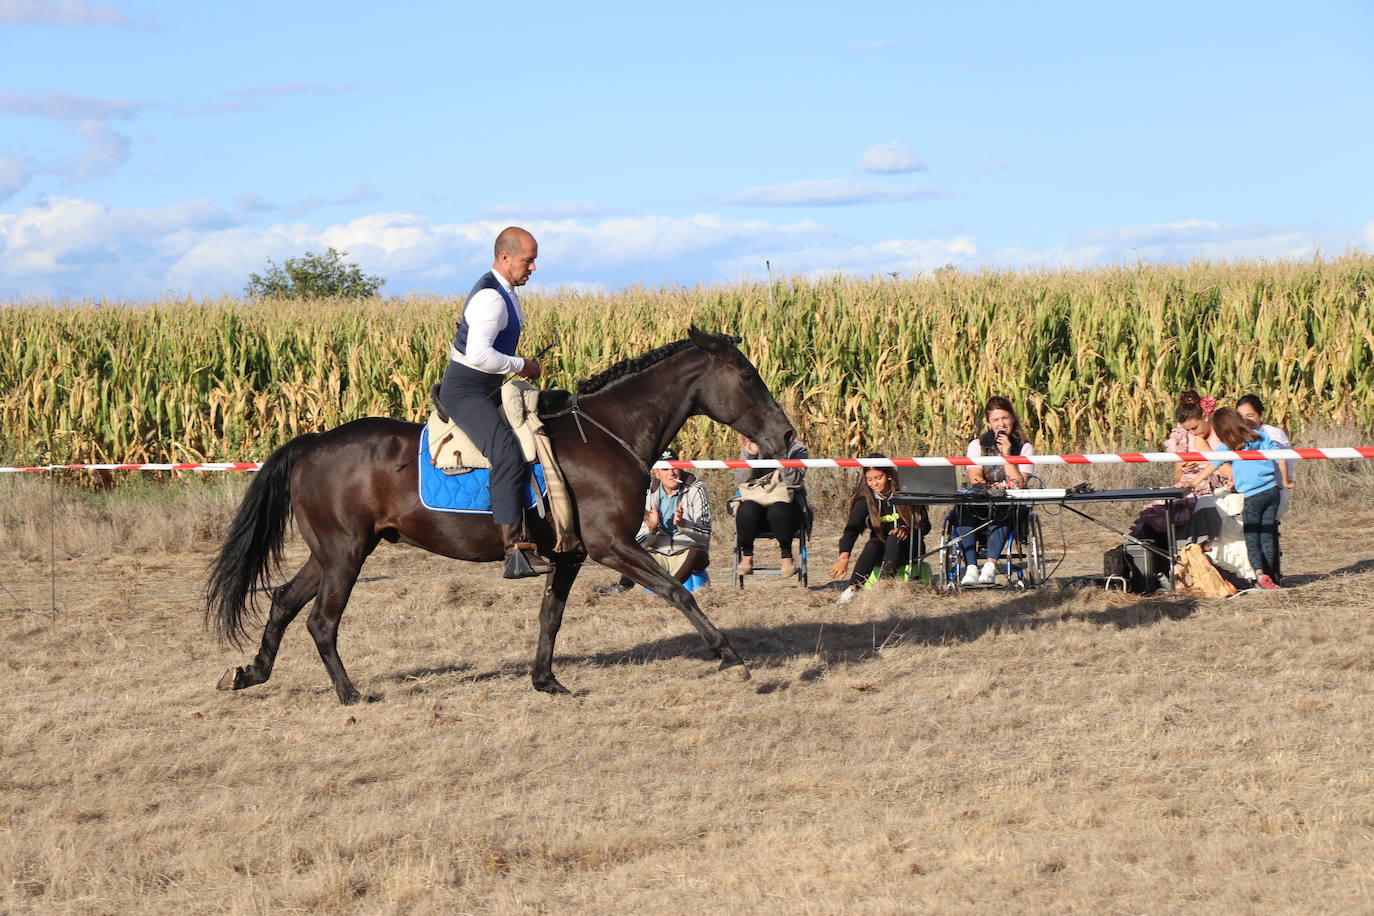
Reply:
x=473, y=400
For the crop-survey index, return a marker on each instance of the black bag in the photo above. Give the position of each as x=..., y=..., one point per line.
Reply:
x=1114, y=563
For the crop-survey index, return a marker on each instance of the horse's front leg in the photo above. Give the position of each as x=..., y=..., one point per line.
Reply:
x=634, y=561
x=556, y=592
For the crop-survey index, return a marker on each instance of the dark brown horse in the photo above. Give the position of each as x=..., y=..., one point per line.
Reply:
x=355, y=485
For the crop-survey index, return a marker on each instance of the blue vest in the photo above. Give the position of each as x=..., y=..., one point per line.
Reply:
x=509, y=338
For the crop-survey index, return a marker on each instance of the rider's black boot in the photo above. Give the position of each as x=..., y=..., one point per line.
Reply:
x=522, y=558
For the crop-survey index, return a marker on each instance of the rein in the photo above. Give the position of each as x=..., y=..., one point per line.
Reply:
x=578, y=415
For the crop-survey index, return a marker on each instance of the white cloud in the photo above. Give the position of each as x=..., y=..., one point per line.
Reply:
x=68, y=246
x=249, y=98
x=14, y=177
x=255, y=203
x=73, y=247
x=904, y=256
x=217, y=108
x=1369, y=234
x=568, y=209
x=64, y=107
x=891, y=158
x=994, y=165
x=106, y=151
x=361, y=193
x=1179, y=242
x=60, y=12
x=830, y=192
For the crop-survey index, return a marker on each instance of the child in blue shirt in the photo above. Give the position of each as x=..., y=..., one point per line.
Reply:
x=1259, y=483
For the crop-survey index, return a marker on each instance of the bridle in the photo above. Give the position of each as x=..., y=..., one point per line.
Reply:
x=578, y=414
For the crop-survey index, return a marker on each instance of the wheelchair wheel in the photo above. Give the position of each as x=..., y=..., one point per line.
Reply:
x=1035, y=554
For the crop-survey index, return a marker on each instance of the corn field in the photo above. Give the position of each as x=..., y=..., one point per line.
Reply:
x=1093, y=359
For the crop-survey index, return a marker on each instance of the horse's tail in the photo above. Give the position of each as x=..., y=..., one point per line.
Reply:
x=252, y=551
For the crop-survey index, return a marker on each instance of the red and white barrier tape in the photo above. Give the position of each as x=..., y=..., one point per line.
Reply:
x=995, y=460
x=195, y=466
x=1285, y=454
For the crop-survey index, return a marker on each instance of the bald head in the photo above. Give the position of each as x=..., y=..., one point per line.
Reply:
x=516, y=250
x=510, y=241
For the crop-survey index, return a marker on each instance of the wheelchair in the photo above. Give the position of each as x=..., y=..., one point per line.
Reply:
x=1023, y=557
x=801, y=537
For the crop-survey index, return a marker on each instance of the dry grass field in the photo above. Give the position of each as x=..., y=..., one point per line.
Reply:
x=1051, y=752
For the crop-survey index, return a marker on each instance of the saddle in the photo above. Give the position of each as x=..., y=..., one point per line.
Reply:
x=452, y=452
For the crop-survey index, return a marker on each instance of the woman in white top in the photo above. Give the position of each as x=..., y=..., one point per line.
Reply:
x=1004, y=437
x=1251, y=410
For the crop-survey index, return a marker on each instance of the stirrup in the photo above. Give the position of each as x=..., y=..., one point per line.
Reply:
x=523, y=563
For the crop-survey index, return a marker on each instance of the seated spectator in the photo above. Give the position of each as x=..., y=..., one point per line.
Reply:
x=677, y=524
x=889, y=528
x=1192, y=432
x=1005, y=437
x=1251, y=410
x=769, y=500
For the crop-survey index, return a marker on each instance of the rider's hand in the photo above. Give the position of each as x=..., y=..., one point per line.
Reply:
x=902, y=532
x=532, y=369
x=839, y=568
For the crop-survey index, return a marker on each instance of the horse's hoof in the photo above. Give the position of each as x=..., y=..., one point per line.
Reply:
x=552, y=687
x=735, y=673
x=348, y=699
x=227, y=682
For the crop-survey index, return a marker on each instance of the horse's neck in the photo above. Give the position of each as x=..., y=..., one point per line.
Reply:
x=648, y=409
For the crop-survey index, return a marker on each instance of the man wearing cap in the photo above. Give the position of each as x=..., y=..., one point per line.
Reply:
x=677, y=523
x=484, y=352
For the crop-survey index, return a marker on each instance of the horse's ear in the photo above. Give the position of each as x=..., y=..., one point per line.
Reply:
x=708, y=341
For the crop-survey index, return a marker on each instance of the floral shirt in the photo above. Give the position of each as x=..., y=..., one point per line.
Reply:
x=1181, y=441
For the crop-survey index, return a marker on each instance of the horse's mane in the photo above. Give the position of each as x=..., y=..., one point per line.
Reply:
x=637, y=364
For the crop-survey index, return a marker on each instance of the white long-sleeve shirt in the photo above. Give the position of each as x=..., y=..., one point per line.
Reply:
x=486, y=317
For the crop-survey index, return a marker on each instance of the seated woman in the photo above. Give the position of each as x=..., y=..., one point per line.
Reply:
x=1003, y=436
x=1251, y=410
x=1192, y=432
x=768, y=496
x=889, y=526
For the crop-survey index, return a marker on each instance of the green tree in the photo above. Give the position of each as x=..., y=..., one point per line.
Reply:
x=313, y=276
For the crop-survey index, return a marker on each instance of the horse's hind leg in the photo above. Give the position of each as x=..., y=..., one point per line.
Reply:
x=336, y=585
x=287, y=602
x=550, y=620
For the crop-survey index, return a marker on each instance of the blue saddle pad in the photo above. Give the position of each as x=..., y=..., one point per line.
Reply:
x=463, y=492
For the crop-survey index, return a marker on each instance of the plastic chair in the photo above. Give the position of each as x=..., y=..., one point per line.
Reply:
x=801, y=536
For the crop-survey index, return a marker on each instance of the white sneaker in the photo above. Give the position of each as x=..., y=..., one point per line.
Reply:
x=847, y=595
x=989, y=574
x=970, y=575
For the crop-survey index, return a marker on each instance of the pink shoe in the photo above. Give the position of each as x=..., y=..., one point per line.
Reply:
x=1265, y=582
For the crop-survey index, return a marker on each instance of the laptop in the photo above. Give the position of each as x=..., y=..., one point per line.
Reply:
x=933, y=481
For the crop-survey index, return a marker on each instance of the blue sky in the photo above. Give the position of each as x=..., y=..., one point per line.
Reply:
x=149, y=148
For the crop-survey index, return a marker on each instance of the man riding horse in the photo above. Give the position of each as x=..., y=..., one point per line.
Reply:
x=484, y=352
